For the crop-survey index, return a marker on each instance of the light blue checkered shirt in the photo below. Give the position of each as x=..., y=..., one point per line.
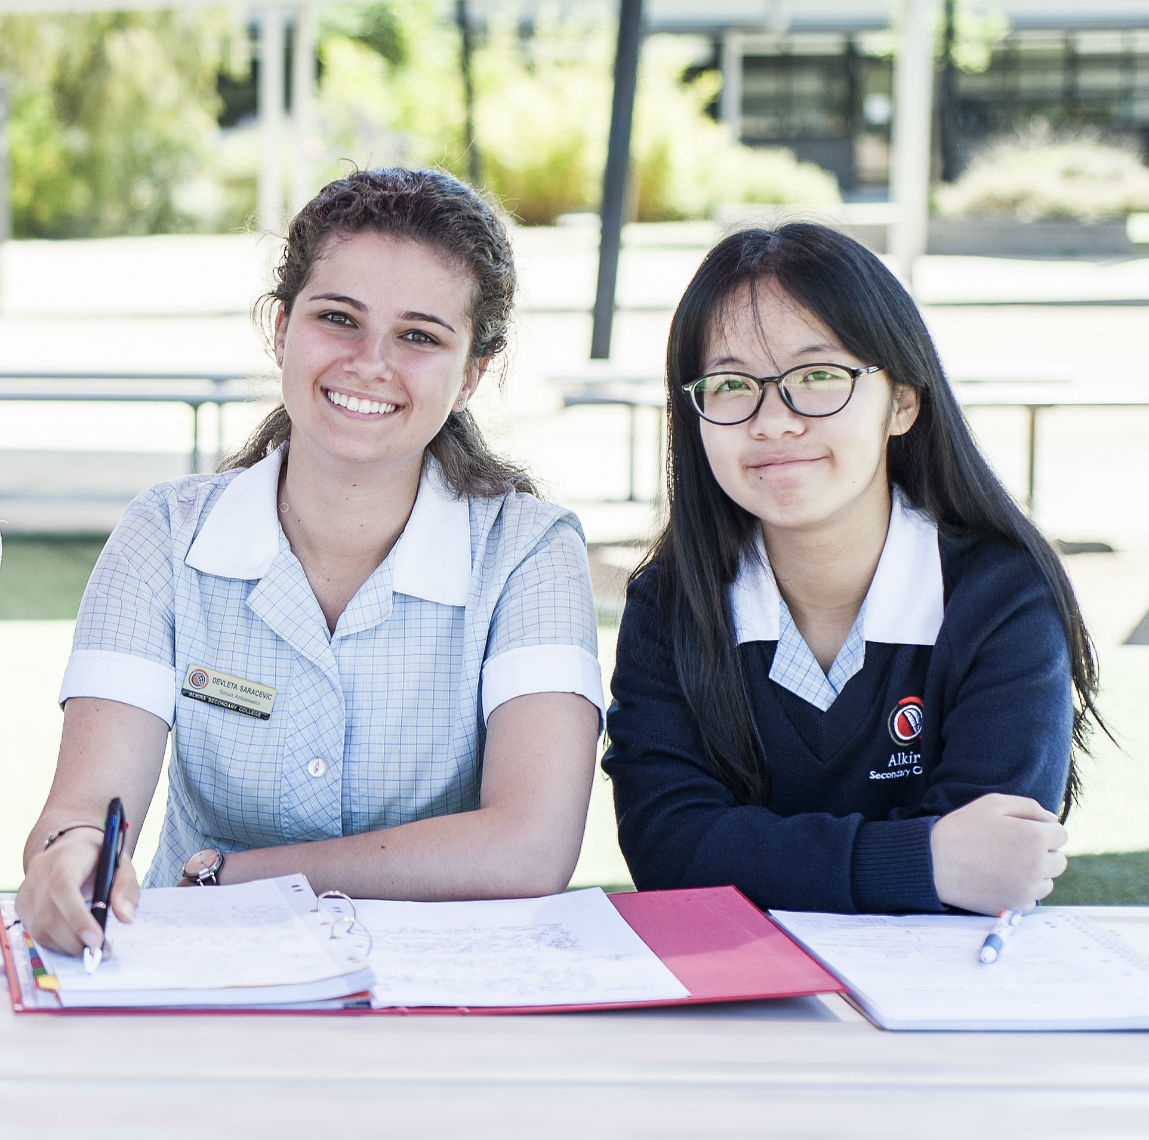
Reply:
x=796, y=668
x=378, y=724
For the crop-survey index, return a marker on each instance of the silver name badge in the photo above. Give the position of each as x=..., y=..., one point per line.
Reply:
x=228, y=692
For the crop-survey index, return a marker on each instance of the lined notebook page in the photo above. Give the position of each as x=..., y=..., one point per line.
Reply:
x=1058, y=970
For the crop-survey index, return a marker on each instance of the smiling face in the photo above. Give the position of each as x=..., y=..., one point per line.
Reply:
x=823, y=477
x=375, y=355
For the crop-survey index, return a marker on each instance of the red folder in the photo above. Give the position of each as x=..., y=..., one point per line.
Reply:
x=721, y=947
x=713, y=939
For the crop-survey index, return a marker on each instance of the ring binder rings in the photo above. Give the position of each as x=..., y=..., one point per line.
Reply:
x=337, y=912
x=258, y=944
x=578, y=951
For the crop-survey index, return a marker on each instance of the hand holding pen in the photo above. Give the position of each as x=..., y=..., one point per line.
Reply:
x=111, y=848
x=54, y=901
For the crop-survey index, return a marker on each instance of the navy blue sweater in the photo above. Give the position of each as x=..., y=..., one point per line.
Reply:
x=853, y=791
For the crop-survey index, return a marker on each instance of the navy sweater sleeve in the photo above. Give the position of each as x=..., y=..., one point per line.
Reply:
x=999, y=689
x=679, y=825
x=998, y=695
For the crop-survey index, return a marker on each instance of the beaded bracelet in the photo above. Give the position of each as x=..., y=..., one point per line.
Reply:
x=52, y=836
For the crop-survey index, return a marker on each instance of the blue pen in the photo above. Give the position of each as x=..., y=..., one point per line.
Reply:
x=113, y=844
x=994, y=942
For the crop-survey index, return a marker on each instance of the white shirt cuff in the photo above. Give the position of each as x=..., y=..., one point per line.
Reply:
x=121, y=677
x=542, y=669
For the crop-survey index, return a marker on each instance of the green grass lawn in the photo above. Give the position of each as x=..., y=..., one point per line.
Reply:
x=1106, y=877
x=41, y=580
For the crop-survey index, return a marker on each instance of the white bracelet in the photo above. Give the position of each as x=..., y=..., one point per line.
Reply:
x=52, y=836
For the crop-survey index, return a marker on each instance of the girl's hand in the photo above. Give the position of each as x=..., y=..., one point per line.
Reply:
x=52, y=901
x=997, y=853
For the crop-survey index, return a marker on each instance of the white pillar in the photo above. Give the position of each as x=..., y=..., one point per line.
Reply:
x=730, y=102
x=302, y=105
x=913, y=118
x=272, y=40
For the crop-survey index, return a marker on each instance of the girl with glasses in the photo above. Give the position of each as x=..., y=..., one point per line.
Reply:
x=372, y=645
x=851, y=674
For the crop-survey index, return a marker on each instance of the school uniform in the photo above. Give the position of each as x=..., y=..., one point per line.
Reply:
x=283, y=732
x=954, y=682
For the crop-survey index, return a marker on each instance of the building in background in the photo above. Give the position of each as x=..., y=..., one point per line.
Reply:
x=817, y=77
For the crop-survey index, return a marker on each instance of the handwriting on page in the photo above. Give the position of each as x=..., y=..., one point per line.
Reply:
x=192, y=938
x=560, y=950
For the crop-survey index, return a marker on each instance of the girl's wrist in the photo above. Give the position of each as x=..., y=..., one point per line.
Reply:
x=59, y=832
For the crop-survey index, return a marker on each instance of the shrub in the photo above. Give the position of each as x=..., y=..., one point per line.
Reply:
x=113, y=123
x=111, y=113
x=1041, y=176
x=684, y=164
x=399, y=106
x=542, y=116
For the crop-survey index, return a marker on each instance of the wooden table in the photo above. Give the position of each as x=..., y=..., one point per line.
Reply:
x=807, y=1067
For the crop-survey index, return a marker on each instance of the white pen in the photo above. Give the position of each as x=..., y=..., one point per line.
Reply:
x=994, y=942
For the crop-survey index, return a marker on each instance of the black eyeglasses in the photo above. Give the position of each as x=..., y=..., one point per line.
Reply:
x=812, y=390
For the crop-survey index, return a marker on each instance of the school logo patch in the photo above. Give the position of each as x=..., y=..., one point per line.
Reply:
x=905, y=722
x=197, y=678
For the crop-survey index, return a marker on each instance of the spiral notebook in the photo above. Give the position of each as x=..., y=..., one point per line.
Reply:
x=1059, y=970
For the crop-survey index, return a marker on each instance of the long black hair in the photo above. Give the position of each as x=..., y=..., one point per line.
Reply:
x=432, y=208
x=936, y=463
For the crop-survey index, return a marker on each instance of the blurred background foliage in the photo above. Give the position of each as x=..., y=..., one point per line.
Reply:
x=109, y=114
x=118, y=126
x=1046, y=175
x=542, y=113
x=128, y=123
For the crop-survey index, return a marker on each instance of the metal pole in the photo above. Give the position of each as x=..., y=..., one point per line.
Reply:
x=474, y=166
x=272, y=40
x=730, y=100
x=5, y=184
x=948, y=101
x=5, y=172
x=615, y=177
x=302, y=104
x=913, y=115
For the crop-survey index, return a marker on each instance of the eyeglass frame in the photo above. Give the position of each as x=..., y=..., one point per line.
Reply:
x=855, y=375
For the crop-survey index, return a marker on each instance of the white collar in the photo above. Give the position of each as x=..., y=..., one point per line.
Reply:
x=241, y=537
x=905, y=601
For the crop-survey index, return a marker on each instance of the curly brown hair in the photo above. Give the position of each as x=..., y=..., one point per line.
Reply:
x=437, y=210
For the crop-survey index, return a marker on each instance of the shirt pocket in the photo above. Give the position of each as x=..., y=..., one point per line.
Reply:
x=231, y=768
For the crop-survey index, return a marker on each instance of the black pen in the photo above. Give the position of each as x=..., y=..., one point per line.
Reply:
x=114, y=827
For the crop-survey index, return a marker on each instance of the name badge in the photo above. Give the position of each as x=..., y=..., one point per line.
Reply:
x=247, y=697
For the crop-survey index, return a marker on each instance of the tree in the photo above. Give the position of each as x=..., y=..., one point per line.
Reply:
x=110, y=114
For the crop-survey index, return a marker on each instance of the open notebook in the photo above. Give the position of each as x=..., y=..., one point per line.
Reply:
x=260, y=944
x=272, y=944
x=1059, y=970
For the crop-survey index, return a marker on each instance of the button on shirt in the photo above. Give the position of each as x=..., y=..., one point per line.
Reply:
x=380, y=723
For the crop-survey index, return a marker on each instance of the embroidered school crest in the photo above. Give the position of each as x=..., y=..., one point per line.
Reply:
x=905, y=722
